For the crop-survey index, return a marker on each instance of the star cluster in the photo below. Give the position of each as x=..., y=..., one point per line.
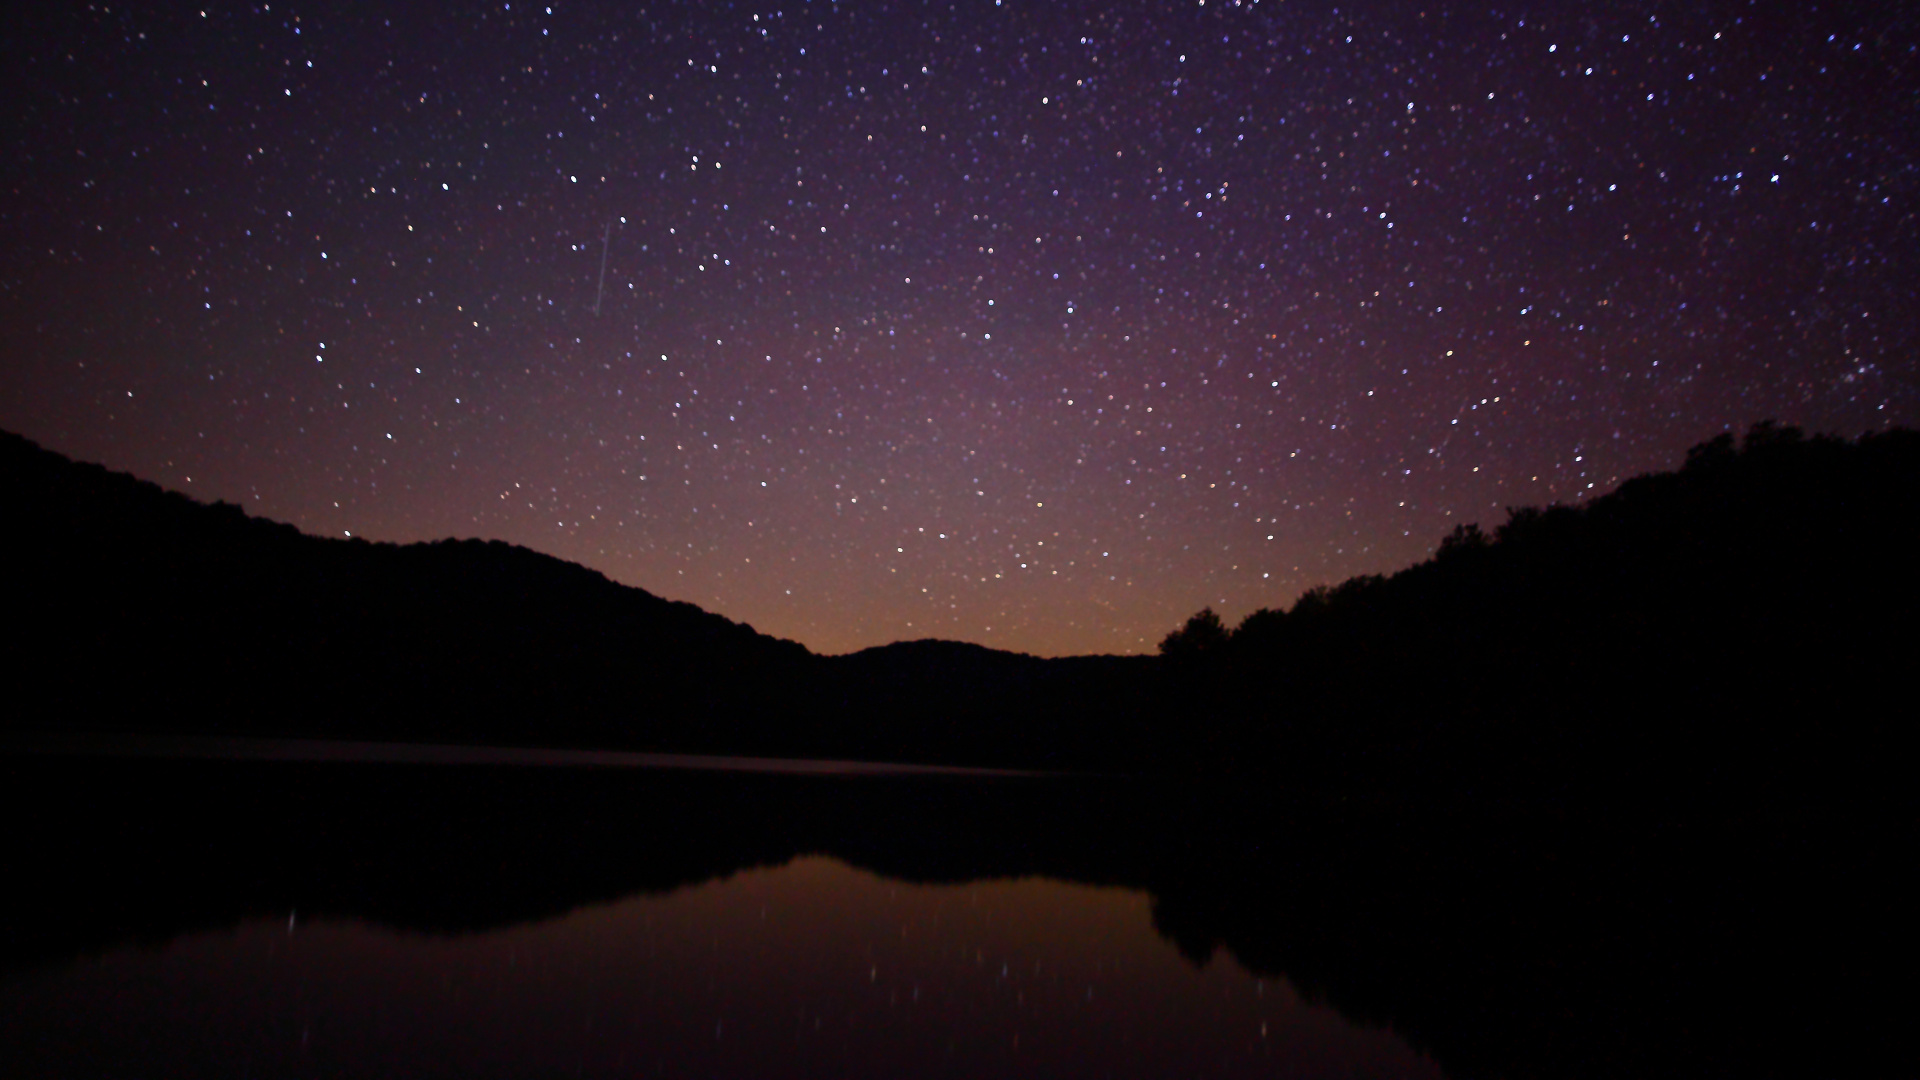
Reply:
x=1029, y=324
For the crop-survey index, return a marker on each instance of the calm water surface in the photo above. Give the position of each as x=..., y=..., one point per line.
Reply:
x=242, y=908
x=807, y=967
x=812, y=968
x=230, y=908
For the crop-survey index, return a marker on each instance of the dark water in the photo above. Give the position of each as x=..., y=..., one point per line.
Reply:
x=273, y=908
x=270, y=909
x=812, y=968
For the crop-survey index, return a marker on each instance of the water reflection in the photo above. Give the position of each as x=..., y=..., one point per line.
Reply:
x=813, y=968
x=1546, y=944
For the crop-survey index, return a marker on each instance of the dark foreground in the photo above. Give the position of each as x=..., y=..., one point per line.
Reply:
x=1550, y=944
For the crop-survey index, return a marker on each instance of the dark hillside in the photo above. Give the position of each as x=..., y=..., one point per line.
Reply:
x=1620, y=789
x=131, y=607
x=1740, y=621
x=136, y=608
x=952, y=699
x=1743, y=625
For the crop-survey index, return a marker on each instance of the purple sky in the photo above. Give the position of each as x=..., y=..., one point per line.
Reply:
x=1035, y=325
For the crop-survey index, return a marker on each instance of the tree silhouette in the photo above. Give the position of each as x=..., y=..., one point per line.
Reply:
x=1467, y=537
x=1203, y=633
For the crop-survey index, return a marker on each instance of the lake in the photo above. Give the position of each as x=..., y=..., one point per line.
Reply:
x=759, y=964
x=812, y=968
x=248, y=908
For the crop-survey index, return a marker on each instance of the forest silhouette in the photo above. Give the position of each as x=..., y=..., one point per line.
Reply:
x=1740, y=629
x=1617, y=788
x=1747, y=613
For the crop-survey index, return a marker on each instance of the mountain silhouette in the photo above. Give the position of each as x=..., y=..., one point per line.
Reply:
x=1738, y=620
x=147, y=610
x=141, y=609
x=1743, y=624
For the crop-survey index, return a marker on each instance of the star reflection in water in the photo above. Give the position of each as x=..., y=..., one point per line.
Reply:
x=812, y=968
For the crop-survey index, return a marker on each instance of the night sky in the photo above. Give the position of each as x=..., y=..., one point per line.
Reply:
x=1036, y=325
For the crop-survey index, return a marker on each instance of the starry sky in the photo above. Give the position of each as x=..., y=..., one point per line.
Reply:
x=1037, y=325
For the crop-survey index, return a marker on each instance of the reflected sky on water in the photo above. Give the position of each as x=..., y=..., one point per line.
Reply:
x=813, y=968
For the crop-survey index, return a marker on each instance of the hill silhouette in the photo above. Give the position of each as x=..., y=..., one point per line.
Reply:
x=141, y=609
x=145, y=609
x=1742, y=625
x=1740, y=615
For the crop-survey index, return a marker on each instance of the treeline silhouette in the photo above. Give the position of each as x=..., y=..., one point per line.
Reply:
x=1617, y=789
x=1741, y=625
x=1744, y=614
x=139, y=609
